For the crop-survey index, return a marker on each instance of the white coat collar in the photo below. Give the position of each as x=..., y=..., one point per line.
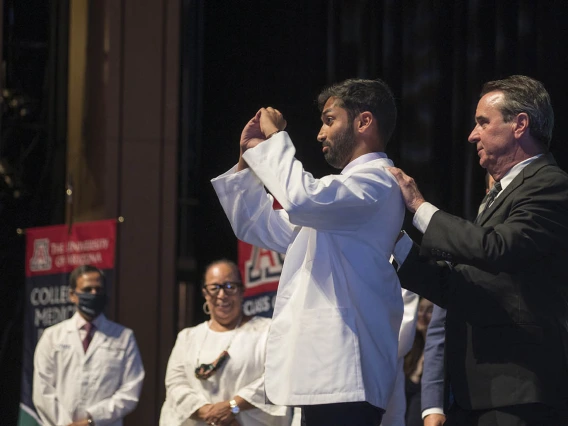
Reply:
x=365, y=158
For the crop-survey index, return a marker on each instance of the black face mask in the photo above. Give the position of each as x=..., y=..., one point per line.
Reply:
x=91, y=304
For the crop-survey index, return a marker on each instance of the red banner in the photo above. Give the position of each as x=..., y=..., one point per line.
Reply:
x=260, y=268
x=58, y=249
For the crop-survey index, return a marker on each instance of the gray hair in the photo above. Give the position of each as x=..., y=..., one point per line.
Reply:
x=525, y=94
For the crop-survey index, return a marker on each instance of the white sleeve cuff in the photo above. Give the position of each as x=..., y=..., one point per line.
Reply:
x=401, y=249
x=423, y=216
x=434, y=410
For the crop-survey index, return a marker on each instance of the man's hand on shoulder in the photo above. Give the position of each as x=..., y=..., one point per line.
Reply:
x=434, y=420
x=412, y=196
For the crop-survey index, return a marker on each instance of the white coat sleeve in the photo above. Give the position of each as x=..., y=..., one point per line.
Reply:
x=125, y=399
x=48, y=406
x=334, y=203
x=408, y=325
x=249, y=209
x=183, y=399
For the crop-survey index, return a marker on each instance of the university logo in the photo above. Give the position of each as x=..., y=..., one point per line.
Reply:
x=263, y=267
x=41, y=260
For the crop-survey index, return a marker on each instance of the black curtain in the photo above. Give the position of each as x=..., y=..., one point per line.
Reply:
x=435, y=54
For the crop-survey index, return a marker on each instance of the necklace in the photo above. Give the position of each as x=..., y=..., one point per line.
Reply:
x=204, y=371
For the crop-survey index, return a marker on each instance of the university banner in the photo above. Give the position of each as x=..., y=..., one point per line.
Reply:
x=51, y=254
x=260, y=269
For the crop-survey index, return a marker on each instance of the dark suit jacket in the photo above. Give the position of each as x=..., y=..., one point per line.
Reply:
x=432, y=381
x=507, y=295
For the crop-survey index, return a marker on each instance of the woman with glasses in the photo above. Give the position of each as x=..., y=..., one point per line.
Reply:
x=215, y=374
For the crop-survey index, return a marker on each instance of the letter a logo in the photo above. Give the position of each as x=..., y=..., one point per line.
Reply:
x=41, y=260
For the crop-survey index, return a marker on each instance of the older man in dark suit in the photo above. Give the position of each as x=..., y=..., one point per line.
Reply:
x=504, y=281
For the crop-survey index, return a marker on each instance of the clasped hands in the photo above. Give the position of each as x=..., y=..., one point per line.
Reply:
x=265, y=123
x=218, y=414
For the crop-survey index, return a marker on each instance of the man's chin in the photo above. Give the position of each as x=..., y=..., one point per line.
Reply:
x=332, y=162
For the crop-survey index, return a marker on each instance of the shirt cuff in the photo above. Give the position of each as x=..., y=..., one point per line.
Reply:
x=423, y=216
x=401, y=249
x=433, y=410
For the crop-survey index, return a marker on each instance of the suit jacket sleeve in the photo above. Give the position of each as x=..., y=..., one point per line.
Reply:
x=433, y=375
x=426, y=277
x=532, y=223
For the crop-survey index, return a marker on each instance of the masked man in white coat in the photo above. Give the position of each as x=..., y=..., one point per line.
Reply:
x=332, y=346
x=87, y=369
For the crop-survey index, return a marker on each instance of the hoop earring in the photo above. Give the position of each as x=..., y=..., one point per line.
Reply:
x=206, y=309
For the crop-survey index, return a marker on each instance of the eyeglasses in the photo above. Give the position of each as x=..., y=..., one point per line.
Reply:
x=228, y=287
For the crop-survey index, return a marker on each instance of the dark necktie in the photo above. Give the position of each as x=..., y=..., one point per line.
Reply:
x=489, y=198
x=90, y=329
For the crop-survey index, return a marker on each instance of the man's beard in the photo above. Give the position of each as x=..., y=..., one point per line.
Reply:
x=339, y=153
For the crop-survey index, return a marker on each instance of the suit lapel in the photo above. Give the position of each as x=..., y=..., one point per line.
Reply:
x=526, y=173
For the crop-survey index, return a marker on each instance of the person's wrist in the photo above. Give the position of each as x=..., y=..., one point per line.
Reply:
x=270, y=134
x=235, y=409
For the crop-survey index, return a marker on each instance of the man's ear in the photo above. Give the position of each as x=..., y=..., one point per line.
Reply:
x=72, y=295
x=521, y=124
x=364, y=121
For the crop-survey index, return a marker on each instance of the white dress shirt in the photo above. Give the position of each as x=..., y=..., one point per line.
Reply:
x=70, y=384
x=334, y=335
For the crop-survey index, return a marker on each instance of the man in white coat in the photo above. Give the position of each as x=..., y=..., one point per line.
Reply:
x=87, y=369
x=332, y=346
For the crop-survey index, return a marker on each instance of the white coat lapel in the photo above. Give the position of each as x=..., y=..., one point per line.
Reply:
x=74, y=338
x=99, y=338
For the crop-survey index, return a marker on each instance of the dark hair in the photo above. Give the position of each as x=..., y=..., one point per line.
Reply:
x=228, y=262
x=525, y=94
x=413, y=356
x=358, y=95
x=84, y=269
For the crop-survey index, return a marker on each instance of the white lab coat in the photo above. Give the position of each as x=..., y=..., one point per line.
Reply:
x=104, y=382
x=334, y=335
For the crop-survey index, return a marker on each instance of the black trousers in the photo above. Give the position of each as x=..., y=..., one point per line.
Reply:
x=516, y=415
x=342, y=414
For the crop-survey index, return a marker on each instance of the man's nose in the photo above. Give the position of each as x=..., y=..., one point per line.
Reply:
x=473, y=136
x=321, y=136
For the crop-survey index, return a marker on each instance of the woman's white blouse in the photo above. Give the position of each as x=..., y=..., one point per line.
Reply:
x=242, y=375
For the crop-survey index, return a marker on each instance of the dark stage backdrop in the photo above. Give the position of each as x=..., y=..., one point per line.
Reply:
x=434, y=54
